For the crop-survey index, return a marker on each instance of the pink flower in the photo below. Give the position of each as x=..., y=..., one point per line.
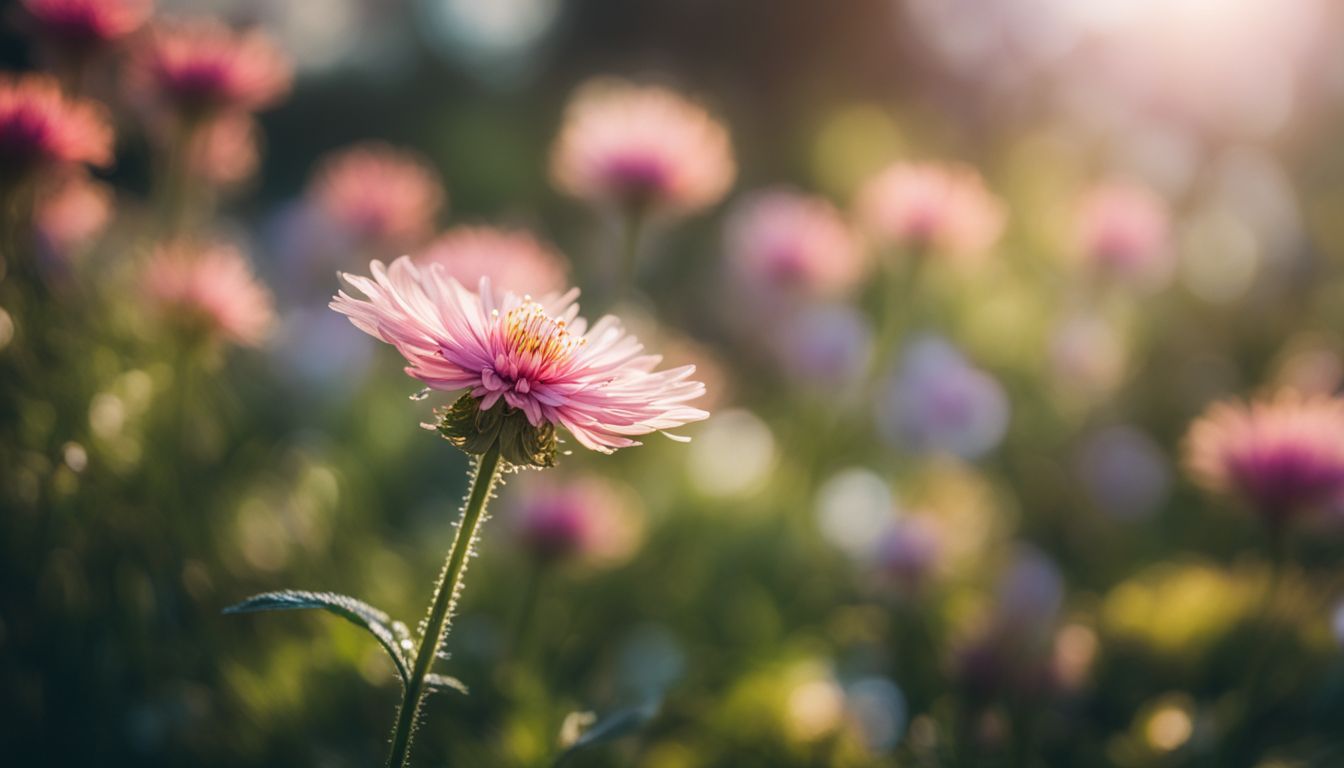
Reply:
x=208, y=290
x=41, y=129
x=1283, y=456
x=794, y=243
x=71, y=213
x=641, y=147
x=202, y=67
x=945, y=208
x=224, y=152
x=86, y=23
x=585, y=518
x=514, y=260
x=379, y=195
x=1124, y=231
x=543, y=360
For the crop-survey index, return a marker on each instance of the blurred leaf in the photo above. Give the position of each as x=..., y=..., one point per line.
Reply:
x=446, y=682
x=357, y=612
x=620, y=723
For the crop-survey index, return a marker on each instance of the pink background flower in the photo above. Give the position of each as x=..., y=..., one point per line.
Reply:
x=201, y=66
x=513, y=259
x=208, y=289
x=1124, y=232
x=585, y=518
x=78, y=23
x=925, y=205
x=72, y=212
x=40, y=127
x=1282, y=455
x=785, y=241
x=381, y=196
x=639, y=146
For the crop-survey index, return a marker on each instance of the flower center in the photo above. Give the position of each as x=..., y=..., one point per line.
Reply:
x=531, y=333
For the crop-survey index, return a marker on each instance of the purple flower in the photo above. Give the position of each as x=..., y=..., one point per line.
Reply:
x=940, y=403
x=826, y=347
x=909, y=552
x=1124, y=472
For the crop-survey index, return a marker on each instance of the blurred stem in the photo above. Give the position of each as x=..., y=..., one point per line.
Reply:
x=175, y=177
x=633, y=226
x=16, y=220
x=964, y=735
x=527, y=607
x=445, y=599
x=1241, y=742
x=902, y=281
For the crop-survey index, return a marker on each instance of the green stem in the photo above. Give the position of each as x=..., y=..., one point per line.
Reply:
x=1258, y=668
x=445, y=600
x=174, y=185
x=634, y=231
x=896, y=310
x=527, y=606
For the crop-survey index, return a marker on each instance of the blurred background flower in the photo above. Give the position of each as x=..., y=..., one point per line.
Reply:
x=938, y=402
x=513, y=260
x=787, y=245
x=921, y=206
x=641, y=148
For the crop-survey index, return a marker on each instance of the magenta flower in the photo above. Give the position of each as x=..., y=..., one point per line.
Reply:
x=1124, y=232
x=202, y=67
x=209, y=291
x=795, y=244
x=85, y=24
x=513, y=260
x=380, y=196
x=944, y=208
x=42, y=130
x=583, y=519
x=541, y=360
x=641, y=148
x=1284, y=456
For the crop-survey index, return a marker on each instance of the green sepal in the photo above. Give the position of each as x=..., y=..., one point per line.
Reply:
x=473, y=430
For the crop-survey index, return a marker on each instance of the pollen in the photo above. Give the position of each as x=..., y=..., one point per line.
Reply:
x=528, y=330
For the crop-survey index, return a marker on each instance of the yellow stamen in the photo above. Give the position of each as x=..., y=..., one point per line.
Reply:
x=529, y=330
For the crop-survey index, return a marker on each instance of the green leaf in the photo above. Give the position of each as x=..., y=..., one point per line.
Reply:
x=445, y=683
x=620, y=723
x=379, y=624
